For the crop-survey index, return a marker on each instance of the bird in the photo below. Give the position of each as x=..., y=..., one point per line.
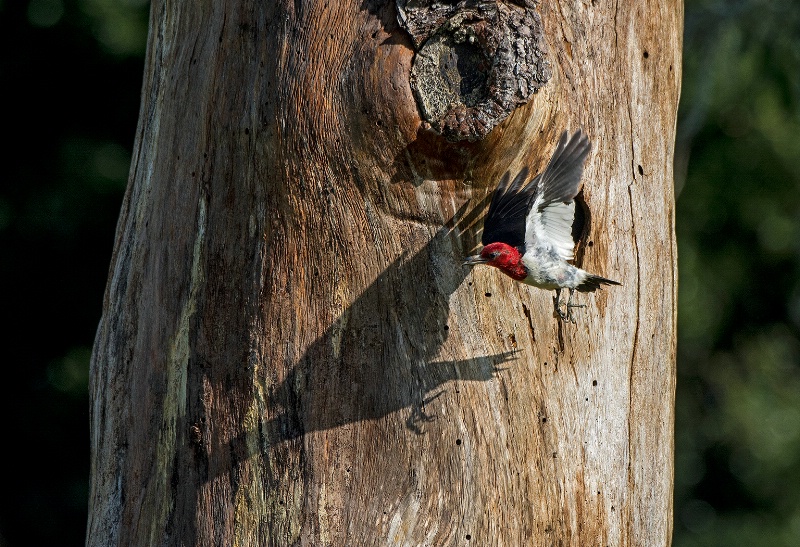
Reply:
x=527, y=232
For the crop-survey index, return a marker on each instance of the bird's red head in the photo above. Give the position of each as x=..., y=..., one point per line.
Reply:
x=502, y=256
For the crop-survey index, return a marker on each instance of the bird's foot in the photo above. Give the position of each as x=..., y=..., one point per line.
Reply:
x=557, y=302
x=566, y=315
x=570, y=317
x=570, y=305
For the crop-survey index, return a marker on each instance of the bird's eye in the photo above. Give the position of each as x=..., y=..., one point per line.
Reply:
x=495, y=254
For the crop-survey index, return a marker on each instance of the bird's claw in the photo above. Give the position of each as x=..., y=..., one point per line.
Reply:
x=557, y=307
x=570, y=317
x=566, y=315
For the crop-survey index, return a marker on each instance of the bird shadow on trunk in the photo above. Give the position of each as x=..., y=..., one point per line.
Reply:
x=380, y=356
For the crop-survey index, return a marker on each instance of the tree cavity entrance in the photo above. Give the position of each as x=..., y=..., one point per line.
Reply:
x=448, y=73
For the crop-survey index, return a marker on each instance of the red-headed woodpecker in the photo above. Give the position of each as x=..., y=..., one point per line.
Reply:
x=527, y=232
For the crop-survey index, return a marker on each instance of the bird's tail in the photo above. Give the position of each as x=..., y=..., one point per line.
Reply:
x=594, y=282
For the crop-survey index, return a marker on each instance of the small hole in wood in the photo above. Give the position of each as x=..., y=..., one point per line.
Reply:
x=458, y=442
x=594, y=382
x=469, y=537
x=544, y=420
x=641, y=171
x=646, y=55
x=488, y=294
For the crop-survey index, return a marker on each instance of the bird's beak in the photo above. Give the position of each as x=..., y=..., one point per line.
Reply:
x=474, y=260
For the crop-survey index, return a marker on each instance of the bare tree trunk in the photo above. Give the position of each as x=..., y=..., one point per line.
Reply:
x=291, y=352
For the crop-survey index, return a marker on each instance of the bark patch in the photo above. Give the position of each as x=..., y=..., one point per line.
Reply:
x=476, y=61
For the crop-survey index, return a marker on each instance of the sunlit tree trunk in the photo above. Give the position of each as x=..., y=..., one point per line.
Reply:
x=291, y=352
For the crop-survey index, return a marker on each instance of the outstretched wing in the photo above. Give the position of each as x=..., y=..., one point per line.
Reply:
x=552, y=209
x=505, y=221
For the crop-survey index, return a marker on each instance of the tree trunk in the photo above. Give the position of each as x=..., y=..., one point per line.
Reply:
x=290, y=351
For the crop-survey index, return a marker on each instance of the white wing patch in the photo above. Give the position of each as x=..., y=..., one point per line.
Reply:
x=549, y=221
x=557, y=219
x=552, y=227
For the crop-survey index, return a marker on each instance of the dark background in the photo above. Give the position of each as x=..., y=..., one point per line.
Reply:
x=70, y=75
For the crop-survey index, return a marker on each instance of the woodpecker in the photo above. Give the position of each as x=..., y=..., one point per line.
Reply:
x=527, y=233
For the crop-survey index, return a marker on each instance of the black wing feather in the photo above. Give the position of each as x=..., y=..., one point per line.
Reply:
x=562, y=177
x=505, y=221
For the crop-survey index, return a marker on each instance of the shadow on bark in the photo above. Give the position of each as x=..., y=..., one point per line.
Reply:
x=382, y=354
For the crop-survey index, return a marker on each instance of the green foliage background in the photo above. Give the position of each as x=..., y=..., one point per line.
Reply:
x=71, y=74
x=737, y=469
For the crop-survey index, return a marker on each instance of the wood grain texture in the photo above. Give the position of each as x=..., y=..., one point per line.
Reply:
x=290, y=352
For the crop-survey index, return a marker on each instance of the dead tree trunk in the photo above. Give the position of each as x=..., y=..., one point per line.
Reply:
x=291, y=352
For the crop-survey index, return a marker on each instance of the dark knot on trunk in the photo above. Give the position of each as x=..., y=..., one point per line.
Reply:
x=476, y=62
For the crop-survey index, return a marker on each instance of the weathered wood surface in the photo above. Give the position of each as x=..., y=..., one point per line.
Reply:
x=290, y=351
